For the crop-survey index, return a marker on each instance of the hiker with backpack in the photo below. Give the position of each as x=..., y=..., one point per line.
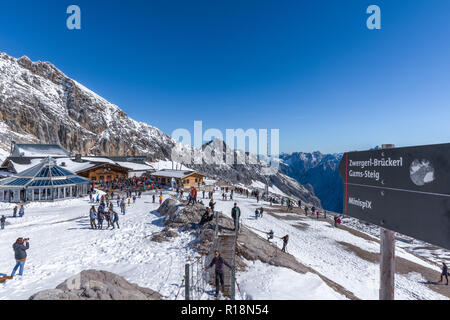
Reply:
x=270, y=235
x=218, y=261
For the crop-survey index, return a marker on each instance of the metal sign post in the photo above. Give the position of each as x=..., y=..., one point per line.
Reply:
x=186, y=281
x=387, y=259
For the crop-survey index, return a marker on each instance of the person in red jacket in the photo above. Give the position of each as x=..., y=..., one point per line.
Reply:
x=192, y=196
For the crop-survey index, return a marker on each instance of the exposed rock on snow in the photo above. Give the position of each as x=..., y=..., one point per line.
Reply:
x=97, y=285
x=250, y=245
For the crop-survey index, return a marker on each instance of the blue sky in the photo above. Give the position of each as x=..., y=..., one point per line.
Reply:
x=310, y=68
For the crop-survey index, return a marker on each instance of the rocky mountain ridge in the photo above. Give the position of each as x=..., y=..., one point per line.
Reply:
x=40, y=104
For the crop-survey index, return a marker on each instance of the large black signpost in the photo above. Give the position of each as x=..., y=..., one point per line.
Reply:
x=402, y=189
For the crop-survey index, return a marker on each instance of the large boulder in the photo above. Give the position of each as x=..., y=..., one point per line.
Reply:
x=177, y=214
x=97, y=285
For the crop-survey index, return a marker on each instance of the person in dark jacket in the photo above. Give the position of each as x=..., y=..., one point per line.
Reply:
x=20, y=255
x=15, y=211
x=206, y=217
x=219, y=262
x=212, y=204
x=444, y=273
x=236, y=214
x=115, y=219
x=270, y=235
x=285, y=242
x=2, y=222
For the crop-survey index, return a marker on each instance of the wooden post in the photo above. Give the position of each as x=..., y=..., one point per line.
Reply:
x=186, y=281
x=387, y=258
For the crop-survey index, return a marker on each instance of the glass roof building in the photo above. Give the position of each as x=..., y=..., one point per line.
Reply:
x=45, y=181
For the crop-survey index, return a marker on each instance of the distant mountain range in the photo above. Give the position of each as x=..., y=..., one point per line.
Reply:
x=320, y=171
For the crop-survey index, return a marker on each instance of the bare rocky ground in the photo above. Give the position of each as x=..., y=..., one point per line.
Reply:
x=97, y=285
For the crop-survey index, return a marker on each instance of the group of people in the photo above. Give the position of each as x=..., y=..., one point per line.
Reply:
x=16, y=209
x=111, y=217
x=259, y=213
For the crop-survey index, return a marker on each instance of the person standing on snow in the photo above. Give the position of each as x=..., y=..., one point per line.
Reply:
x=15, y=211
x=219, y=262
x=285, y=242
x=100, y=217
x=20, y=255
x=2, y=222
x=115, y=217
x=108, y=217
x=153, y=198
x=236, y=214
x=93, y=216
x=21, y=211
x=444, y=273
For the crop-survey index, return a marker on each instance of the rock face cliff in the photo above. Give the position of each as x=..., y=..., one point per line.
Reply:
x=40, y=104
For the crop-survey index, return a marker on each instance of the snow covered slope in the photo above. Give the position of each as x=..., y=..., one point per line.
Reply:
x=62, y=244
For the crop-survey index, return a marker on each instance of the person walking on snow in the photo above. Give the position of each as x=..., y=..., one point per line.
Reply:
x=218, y=261
x=160, y=199
x=236, y=214
x=20, y=255
x=285, y=242
x=2, y=222
x=444, y=273
x=153, y=198
x=270, y=237
x=15, y=211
